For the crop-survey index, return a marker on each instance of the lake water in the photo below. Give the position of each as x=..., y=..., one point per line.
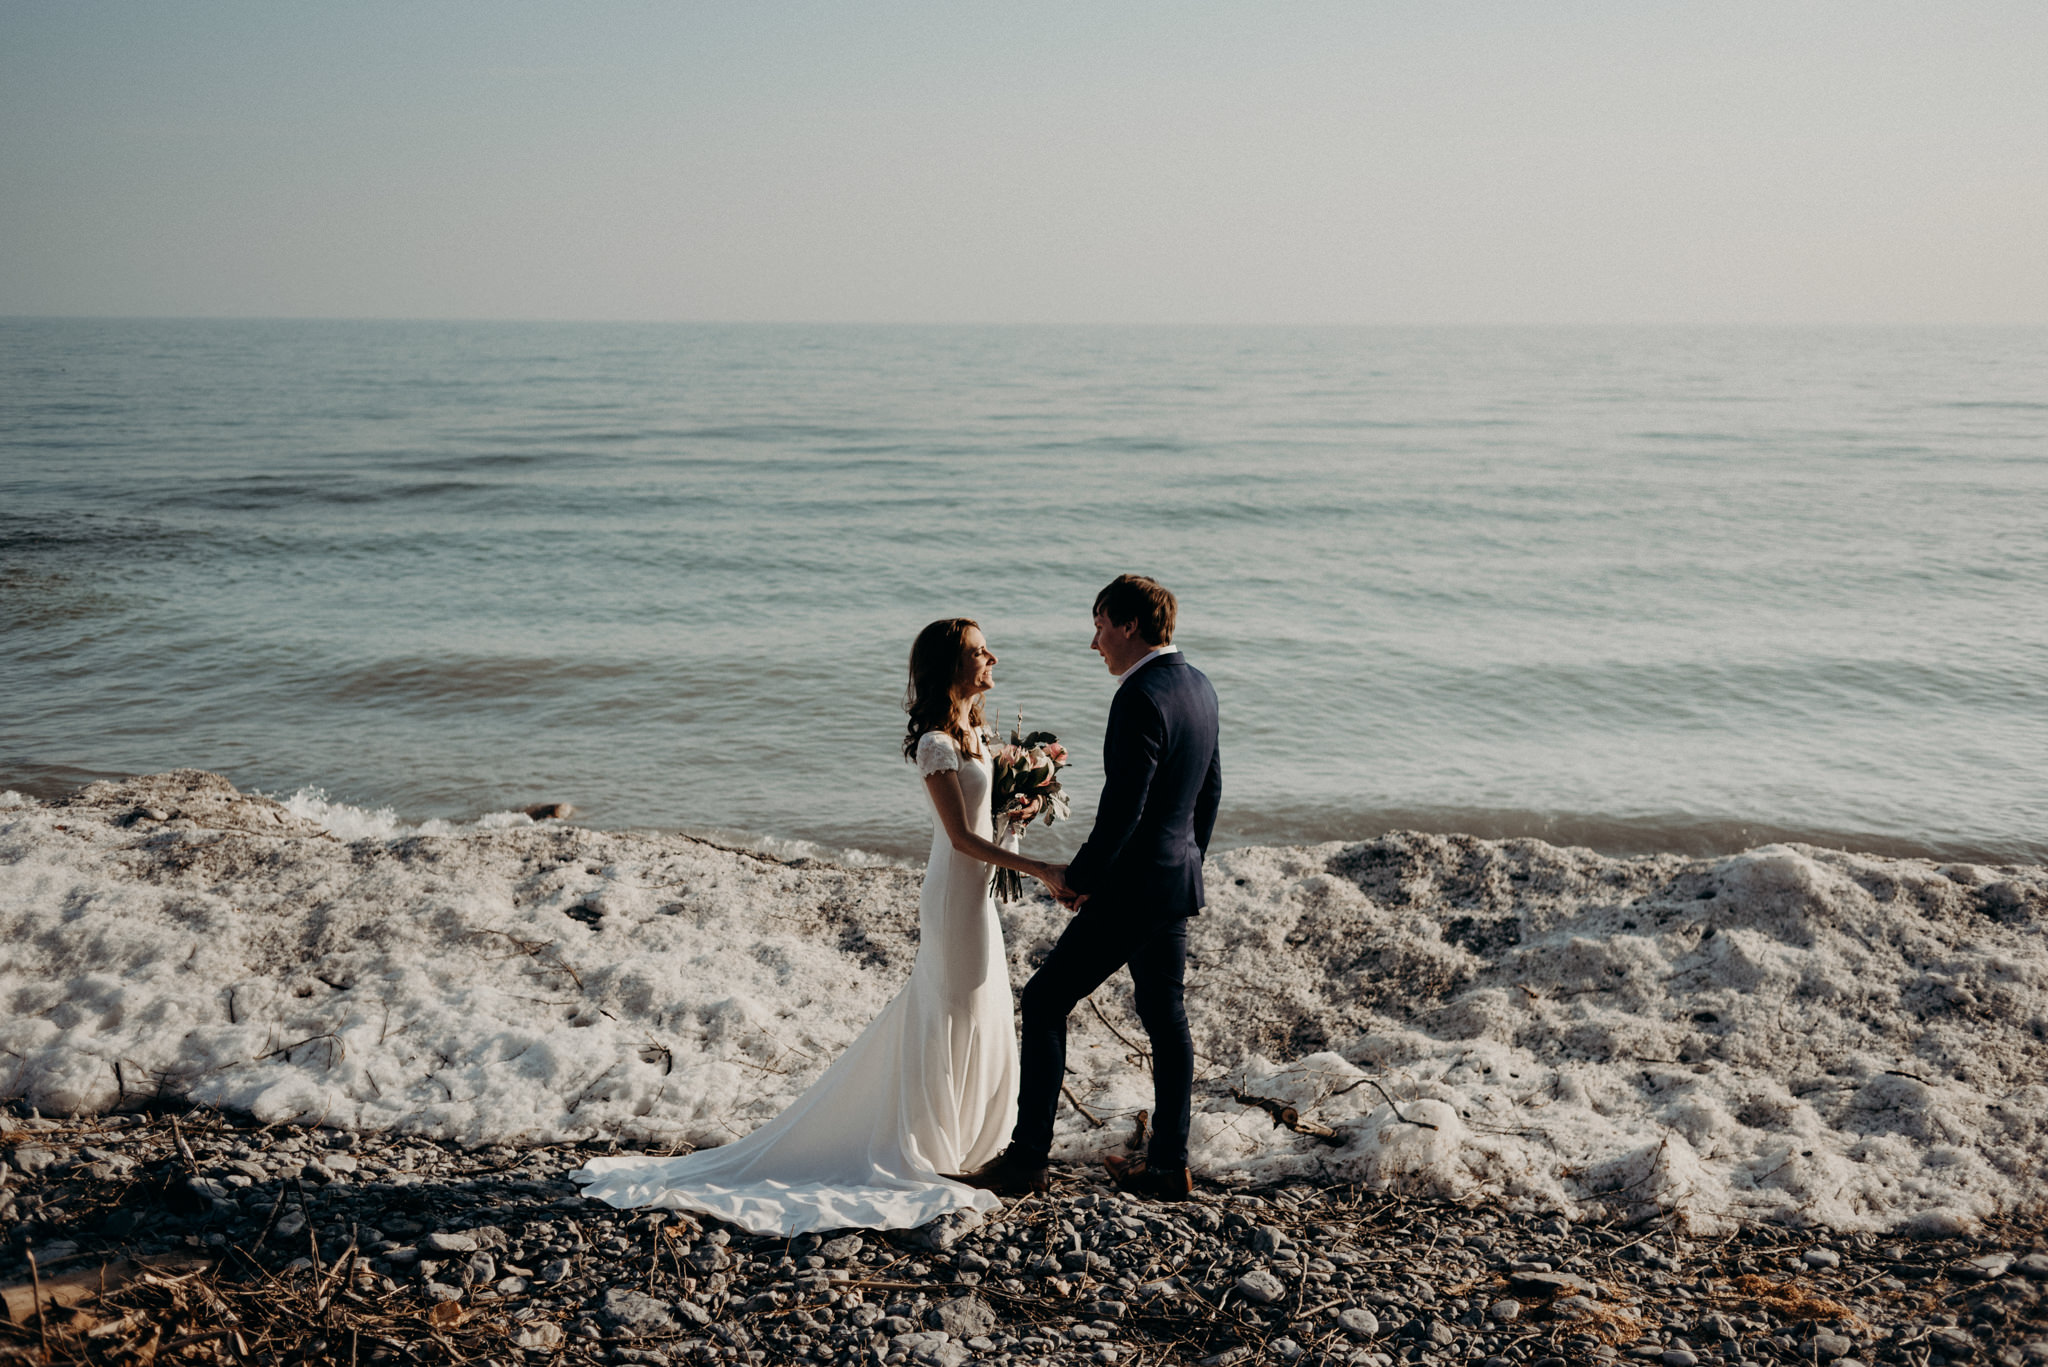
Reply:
x=1639, y=589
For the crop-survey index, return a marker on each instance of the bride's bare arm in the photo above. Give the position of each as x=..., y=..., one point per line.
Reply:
x=951, y=804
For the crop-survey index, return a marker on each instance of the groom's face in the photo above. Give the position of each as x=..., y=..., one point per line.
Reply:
x=1120, y=646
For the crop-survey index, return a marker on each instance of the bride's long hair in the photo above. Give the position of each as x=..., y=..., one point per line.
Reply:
x=938, y=665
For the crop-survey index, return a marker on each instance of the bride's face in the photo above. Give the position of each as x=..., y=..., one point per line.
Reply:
x=977, y=664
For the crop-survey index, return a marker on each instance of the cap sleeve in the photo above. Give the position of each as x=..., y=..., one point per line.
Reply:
x=936, y=753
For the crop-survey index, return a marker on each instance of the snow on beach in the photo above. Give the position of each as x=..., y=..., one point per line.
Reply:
x=1789, y=1033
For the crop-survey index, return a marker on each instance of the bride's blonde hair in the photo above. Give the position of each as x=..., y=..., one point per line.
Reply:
x=938, y=661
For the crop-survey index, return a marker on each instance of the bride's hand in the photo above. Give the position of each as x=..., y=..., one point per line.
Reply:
x=1050, y=875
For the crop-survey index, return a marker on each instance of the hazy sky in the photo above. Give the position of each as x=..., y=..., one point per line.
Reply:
x=1649, y=161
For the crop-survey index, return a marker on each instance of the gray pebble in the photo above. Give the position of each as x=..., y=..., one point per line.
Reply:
x=634, y=1314
x=1831, y=1345
x=1950, y=1341
x=539, y=1336
x=1821, y=1258
x=1985, y=1267
x=1259, y=1286
x=1553, y=1283
x=964, y=1318
x=1359, y=1323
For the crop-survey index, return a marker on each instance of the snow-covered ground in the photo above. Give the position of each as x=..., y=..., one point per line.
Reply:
x=1788, y=1033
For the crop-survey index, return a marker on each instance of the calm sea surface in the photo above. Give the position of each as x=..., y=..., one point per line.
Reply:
x=1639, y=589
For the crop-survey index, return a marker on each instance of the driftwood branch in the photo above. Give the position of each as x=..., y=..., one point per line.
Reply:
x=1140, y=1051
x=1285, y=1115
x=1094, y=1120
x=1392, y=1104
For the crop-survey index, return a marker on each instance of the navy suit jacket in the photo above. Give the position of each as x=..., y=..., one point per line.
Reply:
x=1162, y=781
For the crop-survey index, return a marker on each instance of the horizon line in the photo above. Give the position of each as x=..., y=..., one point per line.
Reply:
x=1864, y=325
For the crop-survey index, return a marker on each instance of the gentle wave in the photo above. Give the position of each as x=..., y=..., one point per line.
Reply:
x=1701, y=582
x=471, y=680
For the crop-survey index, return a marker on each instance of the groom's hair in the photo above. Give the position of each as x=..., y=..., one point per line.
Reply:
x=1134, y=598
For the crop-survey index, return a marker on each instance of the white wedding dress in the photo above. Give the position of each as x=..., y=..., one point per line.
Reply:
x=930, y=1086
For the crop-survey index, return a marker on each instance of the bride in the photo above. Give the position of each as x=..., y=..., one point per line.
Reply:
x=930, y=1087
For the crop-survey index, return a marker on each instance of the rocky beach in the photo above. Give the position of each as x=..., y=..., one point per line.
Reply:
x=219, y=1242
x=277, y=1095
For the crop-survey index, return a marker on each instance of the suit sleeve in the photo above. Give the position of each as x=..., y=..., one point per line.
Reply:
x=1208, y=800
x=1130, y=753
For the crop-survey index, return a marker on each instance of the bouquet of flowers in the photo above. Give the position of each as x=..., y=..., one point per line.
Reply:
x=1026, y=789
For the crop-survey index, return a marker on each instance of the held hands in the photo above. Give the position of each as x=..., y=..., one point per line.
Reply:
x=1054, y=878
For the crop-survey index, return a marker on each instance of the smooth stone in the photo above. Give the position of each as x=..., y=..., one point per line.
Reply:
x=442, y=1242
x=1831, y=1345
x=1950, y=1341
x=540, y=1336
x=1285, y=1349
x=964, y=1318
x=1360, y=1324
x=1259, y=1286
x=1679, y=1357
x=1553, y=1284
x=2033, y=1265
x=1821, y=1257
x=1985, y=1267
x=1504, y=1311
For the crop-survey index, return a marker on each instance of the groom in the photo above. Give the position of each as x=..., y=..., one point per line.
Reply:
x=1132, y=885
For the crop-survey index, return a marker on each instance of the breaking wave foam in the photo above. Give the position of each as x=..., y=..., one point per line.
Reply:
x=350, y=823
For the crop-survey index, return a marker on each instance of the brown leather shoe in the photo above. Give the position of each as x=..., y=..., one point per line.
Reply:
x=1162, y=1184
x=1008, y=1174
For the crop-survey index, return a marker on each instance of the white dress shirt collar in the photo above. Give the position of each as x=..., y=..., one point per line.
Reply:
x=1154, y=653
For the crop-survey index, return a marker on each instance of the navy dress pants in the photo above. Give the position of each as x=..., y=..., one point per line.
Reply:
x=1095, y=945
